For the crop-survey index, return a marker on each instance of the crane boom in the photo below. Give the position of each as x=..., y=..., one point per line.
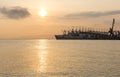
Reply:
x=113, y=24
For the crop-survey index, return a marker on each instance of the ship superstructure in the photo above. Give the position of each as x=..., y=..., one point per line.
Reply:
x=90, y=34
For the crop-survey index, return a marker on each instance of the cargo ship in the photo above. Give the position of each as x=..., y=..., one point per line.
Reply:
x=75, y=34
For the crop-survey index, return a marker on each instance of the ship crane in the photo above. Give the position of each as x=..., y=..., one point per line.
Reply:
x=111, y=29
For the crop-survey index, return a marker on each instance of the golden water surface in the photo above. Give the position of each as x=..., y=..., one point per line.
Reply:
x=52, y=58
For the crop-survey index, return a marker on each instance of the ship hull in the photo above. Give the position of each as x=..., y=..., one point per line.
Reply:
x=63, y=37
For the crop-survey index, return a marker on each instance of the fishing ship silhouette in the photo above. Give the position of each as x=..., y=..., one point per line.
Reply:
x=90, y=34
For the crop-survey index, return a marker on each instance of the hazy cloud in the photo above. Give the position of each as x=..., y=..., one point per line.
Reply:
x=15, y=12
x=91, y=14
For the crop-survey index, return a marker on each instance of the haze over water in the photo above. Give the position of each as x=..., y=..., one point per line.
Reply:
x=52, y=58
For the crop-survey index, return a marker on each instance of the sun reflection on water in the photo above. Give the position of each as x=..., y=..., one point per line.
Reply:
x=42, y=55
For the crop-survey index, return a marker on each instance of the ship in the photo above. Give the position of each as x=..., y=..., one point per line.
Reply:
x=75, y=34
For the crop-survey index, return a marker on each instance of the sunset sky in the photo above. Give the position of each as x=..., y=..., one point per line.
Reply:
x=22, y=19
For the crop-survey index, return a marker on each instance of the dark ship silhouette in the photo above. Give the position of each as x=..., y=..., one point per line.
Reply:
x=90, y=34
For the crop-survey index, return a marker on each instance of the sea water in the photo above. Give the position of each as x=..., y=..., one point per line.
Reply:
x=59, y=58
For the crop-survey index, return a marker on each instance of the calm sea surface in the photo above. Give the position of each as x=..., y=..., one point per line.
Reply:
x=52, y=58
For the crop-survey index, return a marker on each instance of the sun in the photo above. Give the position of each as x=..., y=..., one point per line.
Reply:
x=42, y=13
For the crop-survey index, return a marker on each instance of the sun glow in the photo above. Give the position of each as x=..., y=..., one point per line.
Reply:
x=42, y=13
